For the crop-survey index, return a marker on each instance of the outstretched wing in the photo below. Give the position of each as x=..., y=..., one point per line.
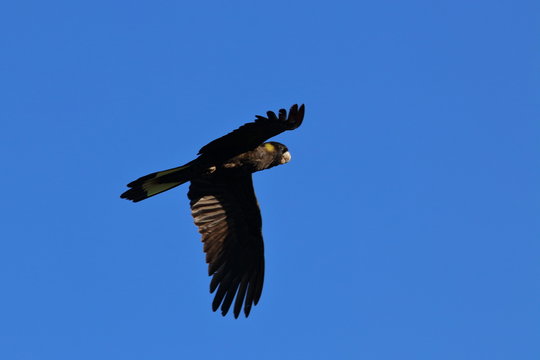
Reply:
x=250, y=135
x=226, y=212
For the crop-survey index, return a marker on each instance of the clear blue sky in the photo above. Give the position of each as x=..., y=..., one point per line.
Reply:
x=405, y=227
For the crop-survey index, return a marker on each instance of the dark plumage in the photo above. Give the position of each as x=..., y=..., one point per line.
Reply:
x=224, y=206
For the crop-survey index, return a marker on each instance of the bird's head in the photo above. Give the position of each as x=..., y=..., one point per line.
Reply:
x=279, y=152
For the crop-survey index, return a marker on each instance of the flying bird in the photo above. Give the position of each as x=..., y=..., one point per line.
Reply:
x=224, y=206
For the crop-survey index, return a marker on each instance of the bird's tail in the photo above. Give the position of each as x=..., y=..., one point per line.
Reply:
x=158, y=182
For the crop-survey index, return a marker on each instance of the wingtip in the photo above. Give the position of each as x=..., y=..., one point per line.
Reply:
x=247, y=309
x=296, y=116
x=271, y=116
x=301, y=111
x=282, y=114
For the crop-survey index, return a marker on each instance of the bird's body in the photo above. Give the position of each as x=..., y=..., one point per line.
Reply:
x=224, y=206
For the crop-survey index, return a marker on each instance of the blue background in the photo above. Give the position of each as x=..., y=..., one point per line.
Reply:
x=405, y=227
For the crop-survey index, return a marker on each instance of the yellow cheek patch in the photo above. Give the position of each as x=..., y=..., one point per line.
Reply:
x=269, y=147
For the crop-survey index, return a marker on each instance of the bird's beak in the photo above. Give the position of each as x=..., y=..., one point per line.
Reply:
x=285, y=158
